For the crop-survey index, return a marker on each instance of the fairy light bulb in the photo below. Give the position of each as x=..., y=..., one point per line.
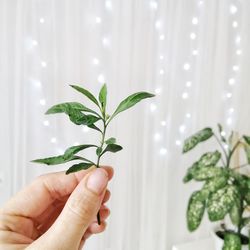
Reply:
x=162, y=37
x=153, y=107
x=53, y=140
x=98, y=19
x=185, y=95
x=231, y=81
x=162, y=72
x=235, y=24
x=186, y=66
x=188, y=115
x=158, y=24
x=195, y=21
x=43, y=64
x=188, y=84
x=158, y=91
x=236, y=68
x=163, y=123
x=195, y=52
x=153, y=5
x=163, y=151
x=42, y=20
x=101, y=78
x=96, y=61
x=182, y=129
x=178, y=143
x=192, y=36
x=233, y=9
x=42, y=102
x=46, y=123
x=157, y=136
x=108, y=5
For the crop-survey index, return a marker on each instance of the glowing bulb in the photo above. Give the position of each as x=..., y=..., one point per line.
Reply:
x=153, y=107
x=157, y=137
x=157, y=90
x=161, y=72
x=233, y=9
x=231, y=110
x=95, y=61
x=153, y=5
x=238, y=52
x=238, y=39
x=162, y=37
x=43, y=64
x=43, y=102
x=231, y=81
x=98, y=19
x=53, y=140
x=101, y=78
x=158, y=24
x=185, y=95
x=186, y=66
x=163, y=151
x=235, y=24
x=182, y=129
x=195, y=52
x=105, y=42
x=178, y=143
x=37, y=83
x=41, y=20
x=201, y=2
x=229, y=95
x=85, y=129
x=192, y=36
x=223, y=133
x=236, y=68
x=188, y=115
x=46, y=123
x=163, y=123
x=34, y=42
x=188, y=84
x=161, y=57
x=229, y=121
x=195, y=20
x=108, y=5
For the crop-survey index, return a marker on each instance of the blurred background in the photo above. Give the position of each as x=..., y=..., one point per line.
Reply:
x=194, y=55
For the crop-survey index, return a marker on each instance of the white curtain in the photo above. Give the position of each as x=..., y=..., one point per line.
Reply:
x=194, y=55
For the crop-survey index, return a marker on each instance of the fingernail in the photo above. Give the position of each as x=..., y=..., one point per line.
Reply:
x=97, y=181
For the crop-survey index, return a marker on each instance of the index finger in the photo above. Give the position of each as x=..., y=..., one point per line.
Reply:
x=35, y=198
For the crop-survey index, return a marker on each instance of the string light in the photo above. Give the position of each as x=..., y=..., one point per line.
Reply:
x=85, y=129
x=223, y=133
x=161, y=57
x=161, y=72
x=157, y=91
x=195, y=21
x=43, y=64
x=163, y=151
x=229, y=121
x=233, y=9
x=185, y=95
x=153, y=107
x=229, y=95
x=238, y=52
x=162, y=37
x=178, y=143
x=53, y=140
x=158, y=24
x=231, y=81
x=46, y=123
x=157, y=137
x=95, y=61
x=186, y=66
x=42, y=102
x=105, y=42
x=188, y=115
x=236, y=68
x=231, y=110
x=101, y=78
x=238, y=40
x=193, y=36
x=182, y=129
x=195, y=52
x=108, y=5
x=34, y=43
x=235, y=24
x=163, y=123
x=36, y=83
x=188, y=84
x=41, y=20
x=98, y=19
x=153, y=5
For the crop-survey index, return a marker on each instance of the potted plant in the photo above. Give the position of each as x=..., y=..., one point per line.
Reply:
x=225, y=193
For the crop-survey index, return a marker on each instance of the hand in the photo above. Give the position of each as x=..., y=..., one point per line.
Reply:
x=56, y=211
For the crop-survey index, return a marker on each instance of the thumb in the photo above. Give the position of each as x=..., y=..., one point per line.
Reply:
x=79, y=211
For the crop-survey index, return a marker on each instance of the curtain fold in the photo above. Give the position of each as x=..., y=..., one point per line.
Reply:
x=193, y=54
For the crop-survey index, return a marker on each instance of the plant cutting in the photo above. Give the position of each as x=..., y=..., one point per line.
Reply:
x=225, y=192
x=82, y=115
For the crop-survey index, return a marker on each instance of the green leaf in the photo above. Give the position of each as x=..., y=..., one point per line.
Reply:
x=67, y=107
x=111, y=140
x=247, y=139
x=221, y=202
x=130, y=101
x=103, y=97
x=247, y=151
x=75, y=149
x=56, y=160
x=98, y=151
x=112, y=148
x=207, y=159
x=195, y=211
x=216, y=183
x=221, y=131
x=204, y=173
x=85, y=92
x=93, y=126
x=197, y=138
x=232, y=241
x=78, y=167
x=235, y=212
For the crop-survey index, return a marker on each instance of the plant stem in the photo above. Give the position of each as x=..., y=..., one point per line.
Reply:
x=100, y=155
x=223, y=149
x=241, y=166
x=232, y=152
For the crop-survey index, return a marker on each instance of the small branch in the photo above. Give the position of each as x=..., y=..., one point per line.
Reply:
x=241, y=166
x=223, y=149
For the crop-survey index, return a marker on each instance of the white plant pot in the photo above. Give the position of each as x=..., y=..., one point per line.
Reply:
x=218, y=242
